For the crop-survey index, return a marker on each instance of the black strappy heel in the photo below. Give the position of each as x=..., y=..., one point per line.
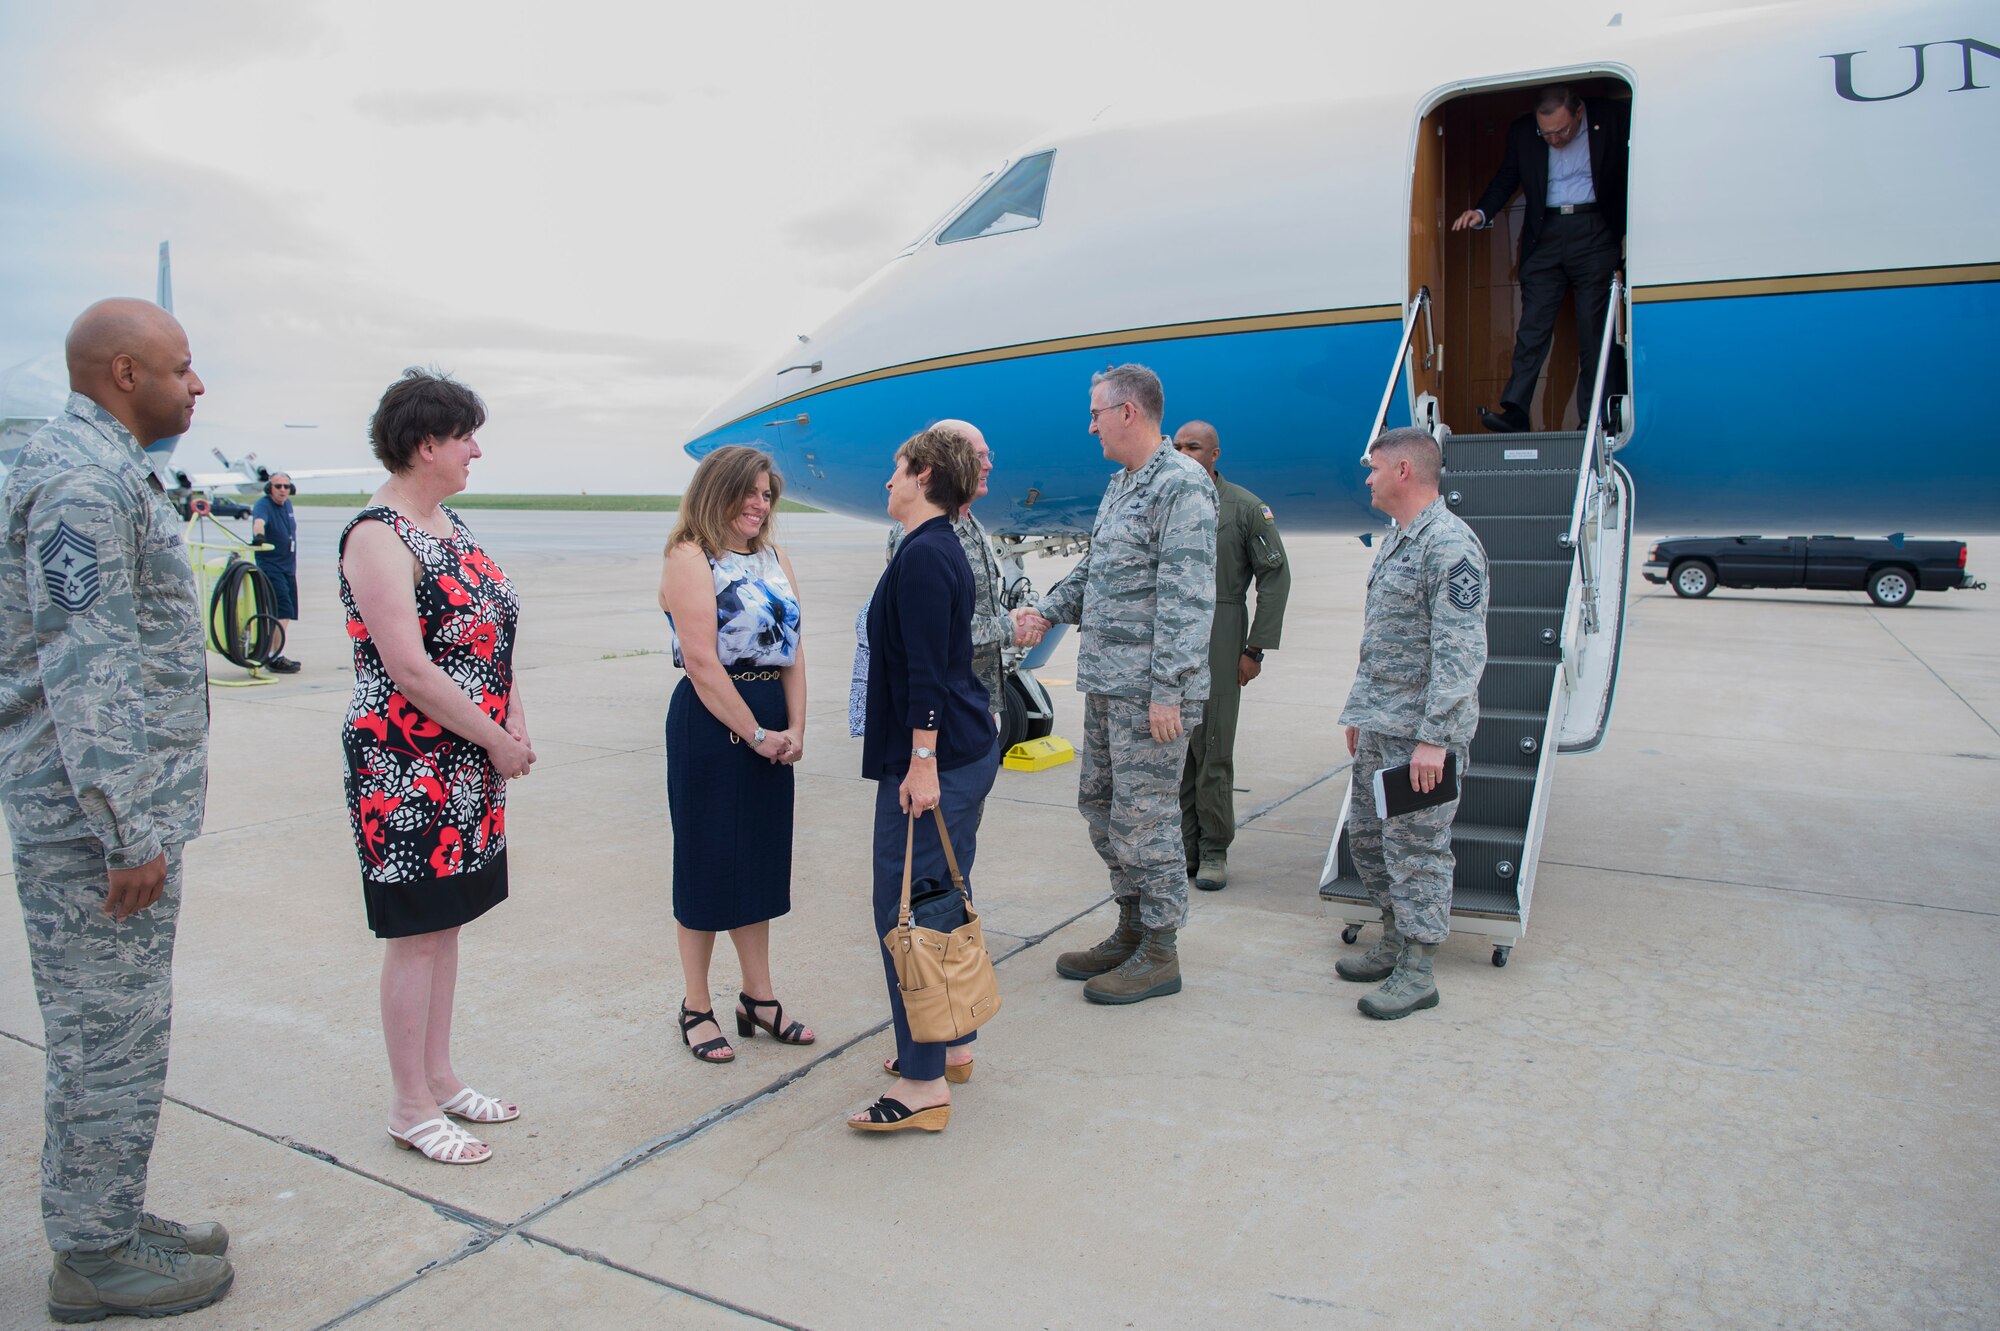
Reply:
x=889, y=1114
x=749, y=1023
x=690, y=1020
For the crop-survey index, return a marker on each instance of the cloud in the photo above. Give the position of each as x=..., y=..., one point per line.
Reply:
x=417, y=110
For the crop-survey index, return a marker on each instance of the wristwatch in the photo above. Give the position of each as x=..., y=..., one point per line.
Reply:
x=1255, y=654
x=758, y=738
x=921, y=752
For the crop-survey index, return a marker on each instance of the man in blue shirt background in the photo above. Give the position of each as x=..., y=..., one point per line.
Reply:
x=274, y=523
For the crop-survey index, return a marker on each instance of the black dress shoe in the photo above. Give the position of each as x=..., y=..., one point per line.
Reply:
x=279, y=665
x=1509, y=420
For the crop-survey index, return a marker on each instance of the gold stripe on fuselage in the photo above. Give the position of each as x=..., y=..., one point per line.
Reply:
x=1262, y=323
x=1879, y=279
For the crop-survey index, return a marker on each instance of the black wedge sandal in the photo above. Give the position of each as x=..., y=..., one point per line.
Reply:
x=889, y=1114
x=749, y=1023
x=690, y=1020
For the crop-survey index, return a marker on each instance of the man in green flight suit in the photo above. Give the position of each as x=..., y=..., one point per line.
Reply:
x=1247, y=549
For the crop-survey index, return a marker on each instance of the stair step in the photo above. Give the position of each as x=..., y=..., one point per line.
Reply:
x=1495, y=898
x=1501, y=796
x=1510, y=494
x=1521, y=683
x=1519, y=631
x=1514, y=452
x=1497, y=745
x=1480, y=849
x=1535, y=536
x=1528, y=584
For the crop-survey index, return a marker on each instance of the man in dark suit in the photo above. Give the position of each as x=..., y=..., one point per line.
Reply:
x=1570, y=162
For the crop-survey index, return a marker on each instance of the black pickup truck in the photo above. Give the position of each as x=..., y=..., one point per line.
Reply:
x=1890, y=571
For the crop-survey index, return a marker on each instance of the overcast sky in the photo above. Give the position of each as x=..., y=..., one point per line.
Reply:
x=602, y=216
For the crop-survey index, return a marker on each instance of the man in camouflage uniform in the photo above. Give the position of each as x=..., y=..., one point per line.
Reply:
x=992, y=628
x=1247, y=547
x=1415, y=699
x=1144, y=595
x=103, y=773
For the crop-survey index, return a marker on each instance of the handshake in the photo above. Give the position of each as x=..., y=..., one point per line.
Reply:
x=1028, y=626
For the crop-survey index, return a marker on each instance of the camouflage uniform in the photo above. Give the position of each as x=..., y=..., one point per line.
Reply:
x=992, y=627
x=103, y=765
x=1423, y=648
x=1247, y=548
x=1145, y=597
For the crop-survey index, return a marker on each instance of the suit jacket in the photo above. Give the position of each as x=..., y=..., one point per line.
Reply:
x=1526, y=167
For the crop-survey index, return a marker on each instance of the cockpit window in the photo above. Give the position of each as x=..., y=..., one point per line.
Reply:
x=1014, y=203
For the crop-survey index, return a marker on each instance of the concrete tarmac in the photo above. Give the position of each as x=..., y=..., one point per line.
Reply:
x=1743, y=1071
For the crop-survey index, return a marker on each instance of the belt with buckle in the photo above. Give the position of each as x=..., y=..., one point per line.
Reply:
x=756, y=674
x=1567, y=208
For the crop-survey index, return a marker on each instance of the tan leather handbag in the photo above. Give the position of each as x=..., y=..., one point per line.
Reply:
x=946, y=979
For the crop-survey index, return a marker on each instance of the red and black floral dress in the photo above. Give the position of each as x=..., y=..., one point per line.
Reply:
x=429, y=813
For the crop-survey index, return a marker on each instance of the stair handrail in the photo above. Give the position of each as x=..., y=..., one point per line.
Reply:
x=1593, y=439
x=1419, y=304
x=1587, y=513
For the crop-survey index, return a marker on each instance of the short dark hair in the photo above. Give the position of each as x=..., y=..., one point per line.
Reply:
x=1135, y=384
x=423, y=404
x=1415, y=443
x=1556, y=97
x=953, y=465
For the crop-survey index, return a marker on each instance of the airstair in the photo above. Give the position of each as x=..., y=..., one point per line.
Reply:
x=1554, y=513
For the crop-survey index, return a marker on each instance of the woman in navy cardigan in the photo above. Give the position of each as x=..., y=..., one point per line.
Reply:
x=928, y=741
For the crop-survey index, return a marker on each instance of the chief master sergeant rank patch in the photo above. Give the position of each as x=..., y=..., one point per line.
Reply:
x=1463, y=584
x=69, y=567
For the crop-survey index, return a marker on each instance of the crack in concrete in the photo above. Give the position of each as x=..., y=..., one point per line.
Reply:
x=599, y=1259
x=1276, y=804
x=1893, y=637
x=1774, y=887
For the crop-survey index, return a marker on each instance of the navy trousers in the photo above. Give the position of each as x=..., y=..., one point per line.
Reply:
x=962, y=792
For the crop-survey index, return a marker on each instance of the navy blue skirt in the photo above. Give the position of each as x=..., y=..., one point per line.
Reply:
x=731, y=813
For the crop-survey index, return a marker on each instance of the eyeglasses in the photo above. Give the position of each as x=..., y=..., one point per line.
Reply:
x=1561, y=135
x=1095, y=412
x=280, y=485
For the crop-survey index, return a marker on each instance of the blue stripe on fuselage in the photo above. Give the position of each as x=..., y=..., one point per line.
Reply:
x=1291, y=406
x=1854, y=411
x=1857, y=412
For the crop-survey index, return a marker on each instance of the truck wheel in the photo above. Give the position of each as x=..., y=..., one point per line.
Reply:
x=1693, y=577
x=1892, y=587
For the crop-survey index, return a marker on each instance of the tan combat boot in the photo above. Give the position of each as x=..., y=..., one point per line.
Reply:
x=1409, y=989
x=1108, y=955
x=1212, y=874
x=208, y=1239
x=139, y=1279
x=1154, y=969
x=1379, y=961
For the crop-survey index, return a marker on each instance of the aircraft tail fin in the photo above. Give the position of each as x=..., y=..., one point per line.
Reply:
x=165, y=295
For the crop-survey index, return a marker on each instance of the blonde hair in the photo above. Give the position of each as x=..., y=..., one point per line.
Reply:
x=714, y=500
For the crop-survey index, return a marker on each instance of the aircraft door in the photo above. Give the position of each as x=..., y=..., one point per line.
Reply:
x=1475, y=274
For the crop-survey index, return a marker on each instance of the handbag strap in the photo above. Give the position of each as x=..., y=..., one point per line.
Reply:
x=909, y=859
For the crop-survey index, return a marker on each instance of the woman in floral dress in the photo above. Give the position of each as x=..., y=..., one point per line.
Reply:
x=434, y=731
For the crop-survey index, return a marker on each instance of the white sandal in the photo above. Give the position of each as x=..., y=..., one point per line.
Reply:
x=442, y=1140
x=473, y=1107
